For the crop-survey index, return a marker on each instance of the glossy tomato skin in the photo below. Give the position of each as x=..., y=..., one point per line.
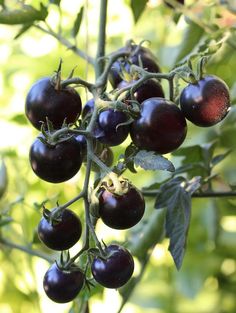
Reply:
x=63, y=234
x=43, y=100
x=88, y=108
x=149, y=89
x=121, y=212
x=116, y=270
x=62, y=286
x=107, y=131
x=142, y=54
x=83, y=145
x=57, y=163
x=161, y=126
x=207, y=102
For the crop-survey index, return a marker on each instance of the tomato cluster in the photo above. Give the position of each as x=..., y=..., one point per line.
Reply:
x=58, y=152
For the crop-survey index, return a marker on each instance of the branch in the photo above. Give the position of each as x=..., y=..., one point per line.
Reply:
x=111, y=59
x=207, y=194
x=25, y=249
x=66, y=43
x=145, y=75
x=77, y=81
x=101, y=38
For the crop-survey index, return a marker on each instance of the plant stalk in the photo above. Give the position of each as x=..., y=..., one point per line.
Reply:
x=99, y=64
x=207, y=194
x=25, y=249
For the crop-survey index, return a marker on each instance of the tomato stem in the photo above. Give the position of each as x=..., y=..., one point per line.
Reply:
x=65, y=42
x=206, y=194
x=25, y=249
x=99, y=64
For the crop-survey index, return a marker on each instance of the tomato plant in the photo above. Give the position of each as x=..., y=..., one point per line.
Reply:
x=139, y=108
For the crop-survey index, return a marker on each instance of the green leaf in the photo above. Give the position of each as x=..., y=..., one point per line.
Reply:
x=56, y=2
x=176, y=17
x=77, y=22
x=149, y=160
x=220, y=157
x=197, y=159
x=191, y=38
x=19, y=118
x=25, y=15
x=138, y=7
x=164, y=199
x=23, y=29
x=130, y=151
x=3, y=178
x=177, y=200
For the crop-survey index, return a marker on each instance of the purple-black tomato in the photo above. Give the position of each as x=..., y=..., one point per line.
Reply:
x=138, y=55
x=149, y=89
x=63, y=286
x=55, y=163
x=111, y=129
x=161, y=126
x=121, y=211
x=108, y=129
x=116, y=269
x=62, y=234
x=88, y=108
x=206, y=102
x=44, y=100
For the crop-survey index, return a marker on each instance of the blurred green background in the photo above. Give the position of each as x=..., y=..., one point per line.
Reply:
x=206, y=282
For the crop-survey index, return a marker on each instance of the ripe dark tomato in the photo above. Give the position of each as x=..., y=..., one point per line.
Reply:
x=56, y=163
x=108, y=130
x=207, y=102
x=88, y=108
x=62, y=234
x=116, y=269
x=171, y=6
x=44, y=100
x=161, y=126
x=62, y=286
x=149, y=89
x=121, y=212
x=142, y=55
x=83, y=145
